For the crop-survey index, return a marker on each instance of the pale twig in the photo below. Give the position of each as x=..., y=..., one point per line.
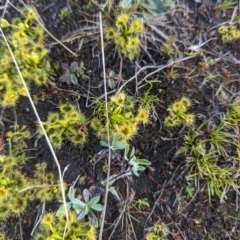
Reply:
x=108, y=134
x=38, y=219
x=42, y=128
x=4, y=8
x=101, y=97
x=20, y=227
x=37, y=186
x=159, y=68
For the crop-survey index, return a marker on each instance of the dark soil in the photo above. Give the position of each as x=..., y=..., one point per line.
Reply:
x=164, y=183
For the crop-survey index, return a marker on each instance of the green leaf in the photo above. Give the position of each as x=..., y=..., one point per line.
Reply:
x=132, y=152
x=98, y=207
x=86, y=195
x=126, y=152
x=121, y=146
x=82, y=214
x=111, y=74
x=93, y=201
x=113, y=191
x=61, y=209
x=115, y=139
x=65, y=78
x=143, y=162
x=118, y=118
x=77, y=204
x=111, y=83
x=104, y=143
x=93, y=219
x=73, y=67
x=73, y=79
x=71, y=193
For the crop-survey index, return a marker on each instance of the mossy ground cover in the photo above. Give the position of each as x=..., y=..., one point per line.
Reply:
x=179, y=76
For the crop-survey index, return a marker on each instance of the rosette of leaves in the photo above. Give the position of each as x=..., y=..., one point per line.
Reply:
x=82, y=208
x=71, y=72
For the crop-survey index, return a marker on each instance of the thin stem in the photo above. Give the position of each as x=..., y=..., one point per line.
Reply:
x=108, y=135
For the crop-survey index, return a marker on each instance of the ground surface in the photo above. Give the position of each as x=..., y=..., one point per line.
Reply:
x=164, y=184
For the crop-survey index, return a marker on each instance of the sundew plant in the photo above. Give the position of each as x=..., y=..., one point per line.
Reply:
x=126, y=35
x=26, y=38
x=123, y=118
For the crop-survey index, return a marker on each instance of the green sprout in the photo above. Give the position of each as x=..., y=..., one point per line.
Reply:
x=65, y=12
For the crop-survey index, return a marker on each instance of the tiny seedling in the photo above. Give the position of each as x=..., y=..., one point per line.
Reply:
x=111, y=77
x=65, y=12
x=71, y=73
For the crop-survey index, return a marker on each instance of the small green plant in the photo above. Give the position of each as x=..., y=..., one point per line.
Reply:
x=141, y=203
x=208, y=151
x=67, y=124
x=167, y=47
x=126, y=35
x=26, y=38
x=229, y=33
x=178, y=113
x=226, y=4
x=156, y=234
x=82, y=208
x=123, y=119
x=71, y=73
x=147, y=100
x=3, y=237
x=137, y=165
x=53, y=227
x=233, y=114
x=16, y=142
x=65, y=12
x=111, y=78
x=150, y=8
